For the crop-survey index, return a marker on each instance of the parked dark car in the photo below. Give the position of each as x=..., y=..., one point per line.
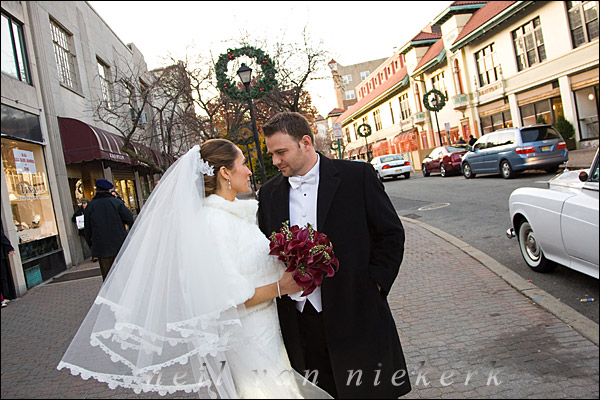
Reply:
x=445, y=159
x=508, y=151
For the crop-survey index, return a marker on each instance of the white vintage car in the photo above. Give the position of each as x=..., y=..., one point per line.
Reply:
x=559, y=224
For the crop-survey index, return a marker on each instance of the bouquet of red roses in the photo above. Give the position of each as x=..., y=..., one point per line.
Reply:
x=307, y=253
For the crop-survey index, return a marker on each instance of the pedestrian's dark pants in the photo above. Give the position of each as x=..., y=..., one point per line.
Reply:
x=316, y=355
x=105, y=264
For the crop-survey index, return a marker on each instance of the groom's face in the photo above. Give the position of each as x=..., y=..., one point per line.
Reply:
x=291, y=157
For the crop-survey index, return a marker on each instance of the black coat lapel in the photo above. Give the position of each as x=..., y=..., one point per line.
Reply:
x=328, y=184
x=281, y=199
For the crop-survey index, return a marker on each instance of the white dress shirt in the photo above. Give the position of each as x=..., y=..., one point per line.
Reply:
x=304, y=191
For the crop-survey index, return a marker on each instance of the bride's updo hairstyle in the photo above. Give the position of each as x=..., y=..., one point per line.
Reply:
x=218, y=153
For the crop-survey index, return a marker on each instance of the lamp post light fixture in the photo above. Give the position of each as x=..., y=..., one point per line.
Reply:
x=245, y=74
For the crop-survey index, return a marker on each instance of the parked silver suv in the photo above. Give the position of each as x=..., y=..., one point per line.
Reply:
x=507, y=151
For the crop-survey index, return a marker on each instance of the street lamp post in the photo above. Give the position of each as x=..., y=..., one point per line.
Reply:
x=245, y=74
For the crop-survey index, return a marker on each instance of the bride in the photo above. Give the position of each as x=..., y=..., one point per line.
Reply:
x=189, y=303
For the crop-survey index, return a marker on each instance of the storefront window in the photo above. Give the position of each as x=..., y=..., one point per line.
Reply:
x=28, y=190
x=587, y=112
x=126, y=189
x=528, y=114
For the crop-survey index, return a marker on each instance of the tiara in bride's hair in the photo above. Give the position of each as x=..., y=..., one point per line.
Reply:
x=205, y=168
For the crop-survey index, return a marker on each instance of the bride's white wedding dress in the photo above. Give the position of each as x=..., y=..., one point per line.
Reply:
x=171, y=316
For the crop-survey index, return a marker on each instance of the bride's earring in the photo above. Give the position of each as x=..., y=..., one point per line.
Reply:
x=229, y=182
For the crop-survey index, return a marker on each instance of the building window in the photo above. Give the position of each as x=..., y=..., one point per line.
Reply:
x=347, y=132
x=583, y=20
x=355, y=130
x=28, y=190
x=65, y=55
x=488, y=68
x=392, y=113
x=363, y=75
x=404, y=106
x=496, y=121
x=350, y=95
x=14, y=56
x=346, y=79
x=529, y=44
x=105, y=84
x=541, y=112
x=457, y=79
x=439, y=83
x=418, y=99
x=586, y=102
x=377, y=118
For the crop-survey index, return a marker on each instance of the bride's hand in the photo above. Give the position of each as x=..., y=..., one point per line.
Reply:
x=287, y=284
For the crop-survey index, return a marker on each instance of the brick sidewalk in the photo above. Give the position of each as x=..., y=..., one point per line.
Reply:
x=458, y=322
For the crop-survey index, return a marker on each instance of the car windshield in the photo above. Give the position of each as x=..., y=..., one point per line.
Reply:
x=393, y=157
x=457, y=147
x=539, y=133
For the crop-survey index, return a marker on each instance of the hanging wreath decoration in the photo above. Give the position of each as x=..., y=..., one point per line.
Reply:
x=260, y=88
x=441, y=100
x=364, y=130
x=334, y=146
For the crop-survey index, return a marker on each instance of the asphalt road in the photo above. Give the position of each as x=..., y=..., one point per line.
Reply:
x=476, y=211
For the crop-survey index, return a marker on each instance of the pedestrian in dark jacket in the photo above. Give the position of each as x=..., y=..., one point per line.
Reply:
x=105, y=218
x=6, y=250
x=472, y=140
x=78, y=220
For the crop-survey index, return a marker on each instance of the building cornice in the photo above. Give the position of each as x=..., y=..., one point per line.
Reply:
x=492, y=23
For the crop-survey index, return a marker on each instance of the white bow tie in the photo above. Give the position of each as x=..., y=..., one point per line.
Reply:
x=296, y=181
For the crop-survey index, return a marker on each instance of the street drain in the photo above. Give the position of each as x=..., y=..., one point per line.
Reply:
x=434, y=206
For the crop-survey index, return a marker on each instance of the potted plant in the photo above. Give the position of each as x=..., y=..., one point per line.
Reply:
x=567, y=131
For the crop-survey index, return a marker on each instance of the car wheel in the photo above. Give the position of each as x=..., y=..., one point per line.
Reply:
x=552, y=169
x=443, y=171
x=531, y=250
x=467, y=171
x=506, y=170
x=407, y=175
x=380, y=177
x=425, y=172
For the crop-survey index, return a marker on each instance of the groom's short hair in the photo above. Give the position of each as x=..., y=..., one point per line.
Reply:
x=292, y=123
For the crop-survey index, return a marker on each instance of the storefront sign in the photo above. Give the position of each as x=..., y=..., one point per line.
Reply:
x=24, y=161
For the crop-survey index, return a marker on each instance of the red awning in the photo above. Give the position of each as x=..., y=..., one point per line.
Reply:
x=84, y=142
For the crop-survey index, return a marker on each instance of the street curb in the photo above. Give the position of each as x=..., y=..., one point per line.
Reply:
x=585, y=326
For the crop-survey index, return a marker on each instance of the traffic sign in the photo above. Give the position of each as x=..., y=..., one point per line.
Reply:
x=337, y=130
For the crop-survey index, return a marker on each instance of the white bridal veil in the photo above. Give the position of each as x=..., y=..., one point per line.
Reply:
x=166, y=319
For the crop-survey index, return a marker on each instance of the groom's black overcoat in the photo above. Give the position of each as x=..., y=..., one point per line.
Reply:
x=368, y=239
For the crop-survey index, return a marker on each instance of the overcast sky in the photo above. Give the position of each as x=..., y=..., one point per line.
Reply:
x=352, y=32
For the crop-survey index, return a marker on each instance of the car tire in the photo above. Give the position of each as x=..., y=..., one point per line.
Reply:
x=425, y=172
x=407, y=175
x=531, y=251
x=552, y=169
x=467, y=171
x=506, y=170
x=443, y=171
x=379, y=177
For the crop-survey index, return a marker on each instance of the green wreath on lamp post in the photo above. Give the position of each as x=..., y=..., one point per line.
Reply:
x=439, y=103
x=364, y=130
x=260, y=88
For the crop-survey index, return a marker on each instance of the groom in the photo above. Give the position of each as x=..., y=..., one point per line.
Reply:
x=345, y=329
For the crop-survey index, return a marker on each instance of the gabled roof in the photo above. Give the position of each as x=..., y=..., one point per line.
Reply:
x=426, y=37
x=487, y=18
x=458, y=7
x=433, y=53
x=394, y=80
x=336, y=111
